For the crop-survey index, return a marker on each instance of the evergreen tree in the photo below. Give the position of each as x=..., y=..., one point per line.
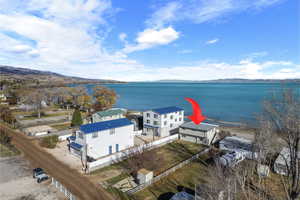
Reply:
x=76, y=118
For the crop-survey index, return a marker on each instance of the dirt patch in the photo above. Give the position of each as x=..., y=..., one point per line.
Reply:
x=61, y=153
x=79, y=185
x=16, y=182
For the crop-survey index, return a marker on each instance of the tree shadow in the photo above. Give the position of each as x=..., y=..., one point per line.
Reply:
x=181, y=188
x=166, y=196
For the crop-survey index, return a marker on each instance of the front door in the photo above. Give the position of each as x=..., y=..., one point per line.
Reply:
x=110, y=149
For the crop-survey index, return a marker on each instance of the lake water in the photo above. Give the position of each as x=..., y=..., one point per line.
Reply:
x=232, y=102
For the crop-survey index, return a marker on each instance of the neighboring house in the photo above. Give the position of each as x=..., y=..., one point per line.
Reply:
x=282, y=162
x=103, y=138
x=202, y=133
x=159, y=122
x=110, y=114
x=39, y=130
x=234, y=143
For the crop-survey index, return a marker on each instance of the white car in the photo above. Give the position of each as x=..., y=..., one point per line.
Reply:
x=42, y=177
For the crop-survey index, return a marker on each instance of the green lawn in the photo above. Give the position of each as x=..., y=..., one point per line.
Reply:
x=187, y=176
x=45, y=116
x=171, y=154
x=6, y=152
x=60, y=127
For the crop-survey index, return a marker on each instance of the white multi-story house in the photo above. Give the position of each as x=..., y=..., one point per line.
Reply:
x=103, y=138
x=159, y=122
x=110, y=114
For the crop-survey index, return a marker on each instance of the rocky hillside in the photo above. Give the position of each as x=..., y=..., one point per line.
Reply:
x=24, y=74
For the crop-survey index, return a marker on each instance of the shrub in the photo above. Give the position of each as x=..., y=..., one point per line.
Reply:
x=49, y=141
x=76, y=119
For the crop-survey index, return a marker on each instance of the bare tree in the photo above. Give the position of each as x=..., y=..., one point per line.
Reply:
x=281, y=118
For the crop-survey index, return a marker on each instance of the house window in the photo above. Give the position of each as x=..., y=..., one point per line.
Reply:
x=155, y=123
x=179, y=119
x=165, y=123
x=80, y=135
x=117, y=147
x=171, y=117
x=165, y=116
x=112, y=131
x=148, y=121
x=95, y=134
x=176, y=120
x=148, y=114
x=155, y=116
x=171, y=125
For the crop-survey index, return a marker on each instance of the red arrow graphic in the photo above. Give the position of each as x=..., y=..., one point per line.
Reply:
x=197, y=116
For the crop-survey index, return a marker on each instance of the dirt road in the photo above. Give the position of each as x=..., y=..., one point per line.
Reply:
x=71, y=179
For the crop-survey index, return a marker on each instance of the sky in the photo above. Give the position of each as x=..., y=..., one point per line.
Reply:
x=146, y=40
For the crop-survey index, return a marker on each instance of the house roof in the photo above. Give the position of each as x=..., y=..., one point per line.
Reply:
x=204, y=127
x=234, y=142
x=110, y=112
x=75, y=145
x=284, y=157
x=105, y=125
x=167, y=110
x=182, y=196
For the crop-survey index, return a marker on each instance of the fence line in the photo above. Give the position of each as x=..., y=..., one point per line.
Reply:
x=92, y=166
x=167, y=172
x=63, y=189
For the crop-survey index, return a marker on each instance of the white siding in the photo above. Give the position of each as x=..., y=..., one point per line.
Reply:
x=165, y=122
x=99, y=146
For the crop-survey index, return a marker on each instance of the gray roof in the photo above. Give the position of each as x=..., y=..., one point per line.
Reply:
x=199, y=127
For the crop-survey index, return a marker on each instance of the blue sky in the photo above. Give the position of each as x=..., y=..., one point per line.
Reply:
x=151, y=40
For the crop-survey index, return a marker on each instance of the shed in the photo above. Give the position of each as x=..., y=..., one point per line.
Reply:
x=144, y=175
x=38, y=130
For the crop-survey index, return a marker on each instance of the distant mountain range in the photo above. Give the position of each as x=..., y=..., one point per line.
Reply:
x=16, y=73
x=234, y=80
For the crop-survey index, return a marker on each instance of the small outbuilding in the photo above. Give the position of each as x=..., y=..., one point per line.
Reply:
x=144, y=175
x=263, y=170
x=38, y=130
x=202, y=133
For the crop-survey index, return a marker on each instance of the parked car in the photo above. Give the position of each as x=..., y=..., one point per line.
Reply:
x=36, y=172
x=42, y=177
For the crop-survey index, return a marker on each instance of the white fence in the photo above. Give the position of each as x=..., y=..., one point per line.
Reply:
x=62, y=189
x=102, y=162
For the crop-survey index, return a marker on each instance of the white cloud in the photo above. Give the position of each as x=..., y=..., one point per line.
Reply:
x=151, y=37
x=202, y=11
x=207, y=70
x=213, y=41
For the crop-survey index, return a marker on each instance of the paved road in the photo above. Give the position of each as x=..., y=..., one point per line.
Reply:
x=71, y=179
